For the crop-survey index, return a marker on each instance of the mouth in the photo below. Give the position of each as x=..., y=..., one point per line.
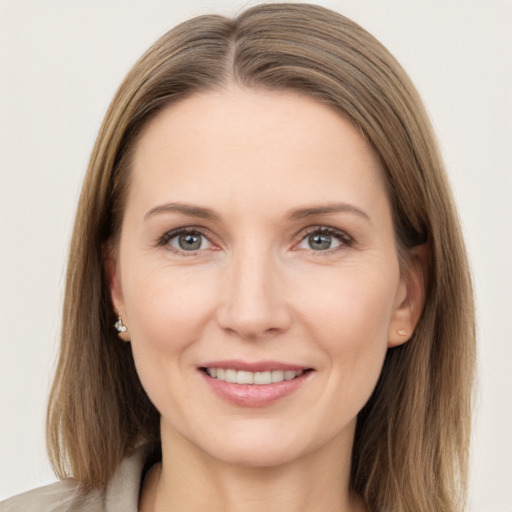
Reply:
x=254, y=385
x=261, y=378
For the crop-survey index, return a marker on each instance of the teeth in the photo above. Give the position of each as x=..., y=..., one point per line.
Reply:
x=259, y=378
x=245, y=377
x=263, y=378
x=277, y=376
x=231, y=376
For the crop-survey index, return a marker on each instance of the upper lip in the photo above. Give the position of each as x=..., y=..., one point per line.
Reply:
x=256, y=366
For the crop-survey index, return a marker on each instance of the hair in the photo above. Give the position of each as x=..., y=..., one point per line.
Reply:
x=411, y=443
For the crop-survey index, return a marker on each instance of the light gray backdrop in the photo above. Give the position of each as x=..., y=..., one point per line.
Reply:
x=60, y=63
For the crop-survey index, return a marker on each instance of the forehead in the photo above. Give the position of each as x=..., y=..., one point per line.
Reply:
x=230, y=146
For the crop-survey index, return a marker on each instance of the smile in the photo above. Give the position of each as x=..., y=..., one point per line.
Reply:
x=254, y=385
x=258, y=378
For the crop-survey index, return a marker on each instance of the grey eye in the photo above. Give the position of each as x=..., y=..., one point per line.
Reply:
x=319, y=242
x=189, y=241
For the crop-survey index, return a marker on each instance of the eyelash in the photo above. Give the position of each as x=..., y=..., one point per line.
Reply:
x=344, y=239
x=164, y=240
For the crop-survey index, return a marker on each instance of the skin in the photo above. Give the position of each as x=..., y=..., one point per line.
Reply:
x=258, y=289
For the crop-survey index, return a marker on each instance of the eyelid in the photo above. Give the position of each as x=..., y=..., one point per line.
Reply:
x=164, y=239
x=345, y=239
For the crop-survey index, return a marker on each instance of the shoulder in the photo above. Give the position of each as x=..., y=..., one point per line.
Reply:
x=62, y=497
x=120, y=495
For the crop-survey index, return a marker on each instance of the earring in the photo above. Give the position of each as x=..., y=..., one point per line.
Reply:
x=401, y=332
x=120, y=327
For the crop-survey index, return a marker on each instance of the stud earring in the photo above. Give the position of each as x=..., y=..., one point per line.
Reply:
x=120, y=327
x=401, y=332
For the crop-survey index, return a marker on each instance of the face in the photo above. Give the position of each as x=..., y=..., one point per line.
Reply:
x=257, y=274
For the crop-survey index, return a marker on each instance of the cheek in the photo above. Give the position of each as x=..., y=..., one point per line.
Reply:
x=166, y=315
x=349, y=318
x=167, y=308
x=352, y=304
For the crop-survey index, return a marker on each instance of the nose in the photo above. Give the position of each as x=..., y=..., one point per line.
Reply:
x=253, y=302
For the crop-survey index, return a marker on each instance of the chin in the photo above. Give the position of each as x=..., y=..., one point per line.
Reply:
x=261, y=443
x=257, y=455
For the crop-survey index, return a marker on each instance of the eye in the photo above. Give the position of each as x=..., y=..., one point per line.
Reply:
x=186, y=240
x=324, y=239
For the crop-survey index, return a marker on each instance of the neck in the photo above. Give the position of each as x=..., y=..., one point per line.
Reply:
x=190, y=480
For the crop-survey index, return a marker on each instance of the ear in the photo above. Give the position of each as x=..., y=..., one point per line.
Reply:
x=114, y=281
x=410, y=298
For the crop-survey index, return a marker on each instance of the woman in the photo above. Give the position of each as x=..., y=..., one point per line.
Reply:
x=268, y=302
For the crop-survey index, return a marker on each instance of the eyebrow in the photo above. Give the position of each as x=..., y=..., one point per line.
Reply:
x=312, y=211
x=296, y=214
x=185, y=209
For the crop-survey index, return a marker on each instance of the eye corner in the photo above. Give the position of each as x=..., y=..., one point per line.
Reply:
x=172, y=241
x=328, y=233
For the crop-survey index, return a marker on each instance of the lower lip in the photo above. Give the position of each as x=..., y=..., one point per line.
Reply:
x=254, y=395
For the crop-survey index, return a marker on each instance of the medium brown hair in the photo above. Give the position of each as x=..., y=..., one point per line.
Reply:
x=410, y=448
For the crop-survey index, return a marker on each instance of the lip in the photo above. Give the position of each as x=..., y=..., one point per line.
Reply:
x=251, y=395
x=259, y=366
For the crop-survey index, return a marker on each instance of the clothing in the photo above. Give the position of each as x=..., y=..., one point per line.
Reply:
x=120, y=495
